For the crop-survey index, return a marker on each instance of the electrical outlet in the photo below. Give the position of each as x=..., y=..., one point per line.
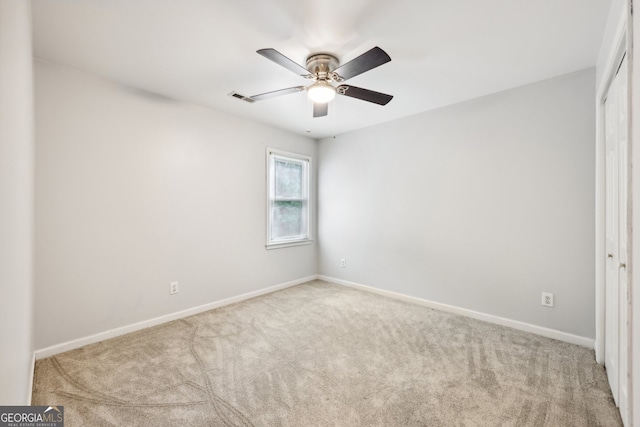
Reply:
x=173, y=288
x=343, y=262
x=547, y=299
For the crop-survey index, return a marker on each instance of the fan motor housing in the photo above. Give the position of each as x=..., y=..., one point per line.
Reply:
x=320, y=65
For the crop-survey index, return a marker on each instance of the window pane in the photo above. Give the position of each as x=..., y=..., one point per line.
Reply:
x=287, y=219
x=288, y=179
x=288, y=199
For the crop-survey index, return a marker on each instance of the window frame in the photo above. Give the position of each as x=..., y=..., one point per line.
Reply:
x=302, y=239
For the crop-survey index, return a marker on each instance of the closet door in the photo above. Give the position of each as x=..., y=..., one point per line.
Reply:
x=616, y=147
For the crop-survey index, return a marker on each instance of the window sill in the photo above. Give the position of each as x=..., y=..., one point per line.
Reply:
x=279, y=245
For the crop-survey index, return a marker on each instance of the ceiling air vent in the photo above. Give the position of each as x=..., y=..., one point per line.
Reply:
x=242, y=97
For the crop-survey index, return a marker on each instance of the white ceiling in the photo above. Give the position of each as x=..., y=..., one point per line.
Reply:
x=442, y=51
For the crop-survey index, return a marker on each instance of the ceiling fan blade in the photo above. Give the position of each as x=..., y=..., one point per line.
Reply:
x=364, y=94
x=283, y=61
x=320, y=110
x=275, y=93
x=365, y=62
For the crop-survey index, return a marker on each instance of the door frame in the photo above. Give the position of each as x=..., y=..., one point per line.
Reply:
x=621, y=47
x=634, y=115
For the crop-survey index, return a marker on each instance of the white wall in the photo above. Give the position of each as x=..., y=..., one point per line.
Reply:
x=635, y=237
x=134, y=191
x=16, y=202
x=482, y=205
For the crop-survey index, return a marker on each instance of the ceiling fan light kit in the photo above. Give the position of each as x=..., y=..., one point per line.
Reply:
x=321, y=92
x=323, y=69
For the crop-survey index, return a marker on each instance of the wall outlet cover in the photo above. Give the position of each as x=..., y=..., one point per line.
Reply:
x=547, y=299
x=174, y=288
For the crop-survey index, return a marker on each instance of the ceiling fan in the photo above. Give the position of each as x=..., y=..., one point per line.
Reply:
x=324, y=69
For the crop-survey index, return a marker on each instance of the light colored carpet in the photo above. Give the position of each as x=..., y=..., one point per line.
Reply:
x=323, y=355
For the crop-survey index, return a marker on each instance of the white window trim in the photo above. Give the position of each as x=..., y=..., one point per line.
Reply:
x=296, y=241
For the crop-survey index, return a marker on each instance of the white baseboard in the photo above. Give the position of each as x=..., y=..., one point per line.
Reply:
x=31, y=378
x=91, y=339
x=522, y=326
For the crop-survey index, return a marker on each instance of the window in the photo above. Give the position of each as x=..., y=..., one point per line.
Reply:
x=288, y=219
